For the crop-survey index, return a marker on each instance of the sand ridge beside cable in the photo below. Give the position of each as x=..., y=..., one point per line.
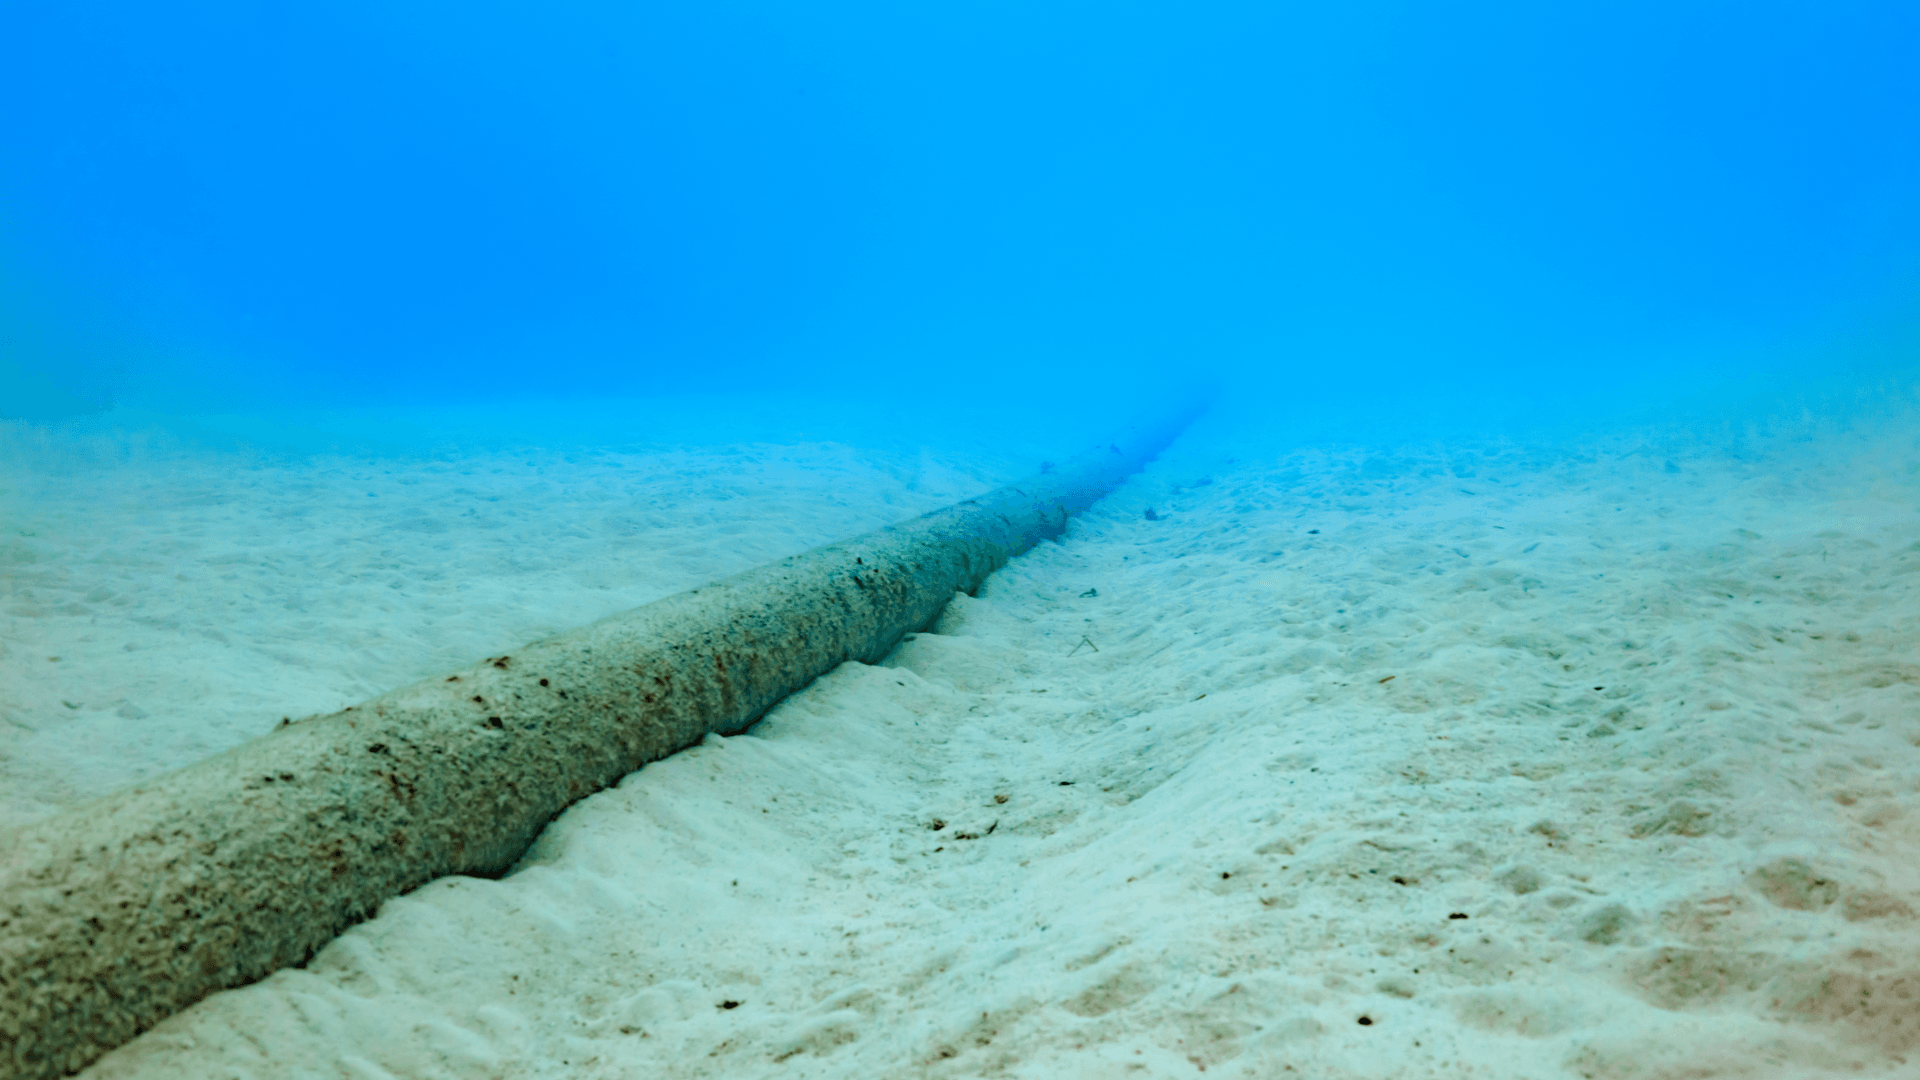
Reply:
x=1648, y=722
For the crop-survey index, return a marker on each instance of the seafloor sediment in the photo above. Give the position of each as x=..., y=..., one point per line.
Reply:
x=1593, y=759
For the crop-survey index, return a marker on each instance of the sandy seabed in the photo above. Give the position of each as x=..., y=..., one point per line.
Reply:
x=1589, y=759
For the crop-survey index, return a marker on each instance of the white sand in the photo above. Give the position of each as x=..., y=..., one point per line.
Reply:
x=1652, y=733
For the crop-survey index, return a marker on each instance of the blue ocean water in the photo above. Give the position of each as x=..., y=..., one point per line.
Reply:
x=1464, y=216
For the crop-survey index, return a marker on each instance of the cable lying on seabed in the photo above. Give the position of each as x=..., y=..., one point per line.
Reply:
x=119, y=913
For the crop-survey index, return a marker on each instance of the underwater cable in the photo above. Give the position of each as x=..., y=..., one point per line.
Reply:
x=121, y=912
